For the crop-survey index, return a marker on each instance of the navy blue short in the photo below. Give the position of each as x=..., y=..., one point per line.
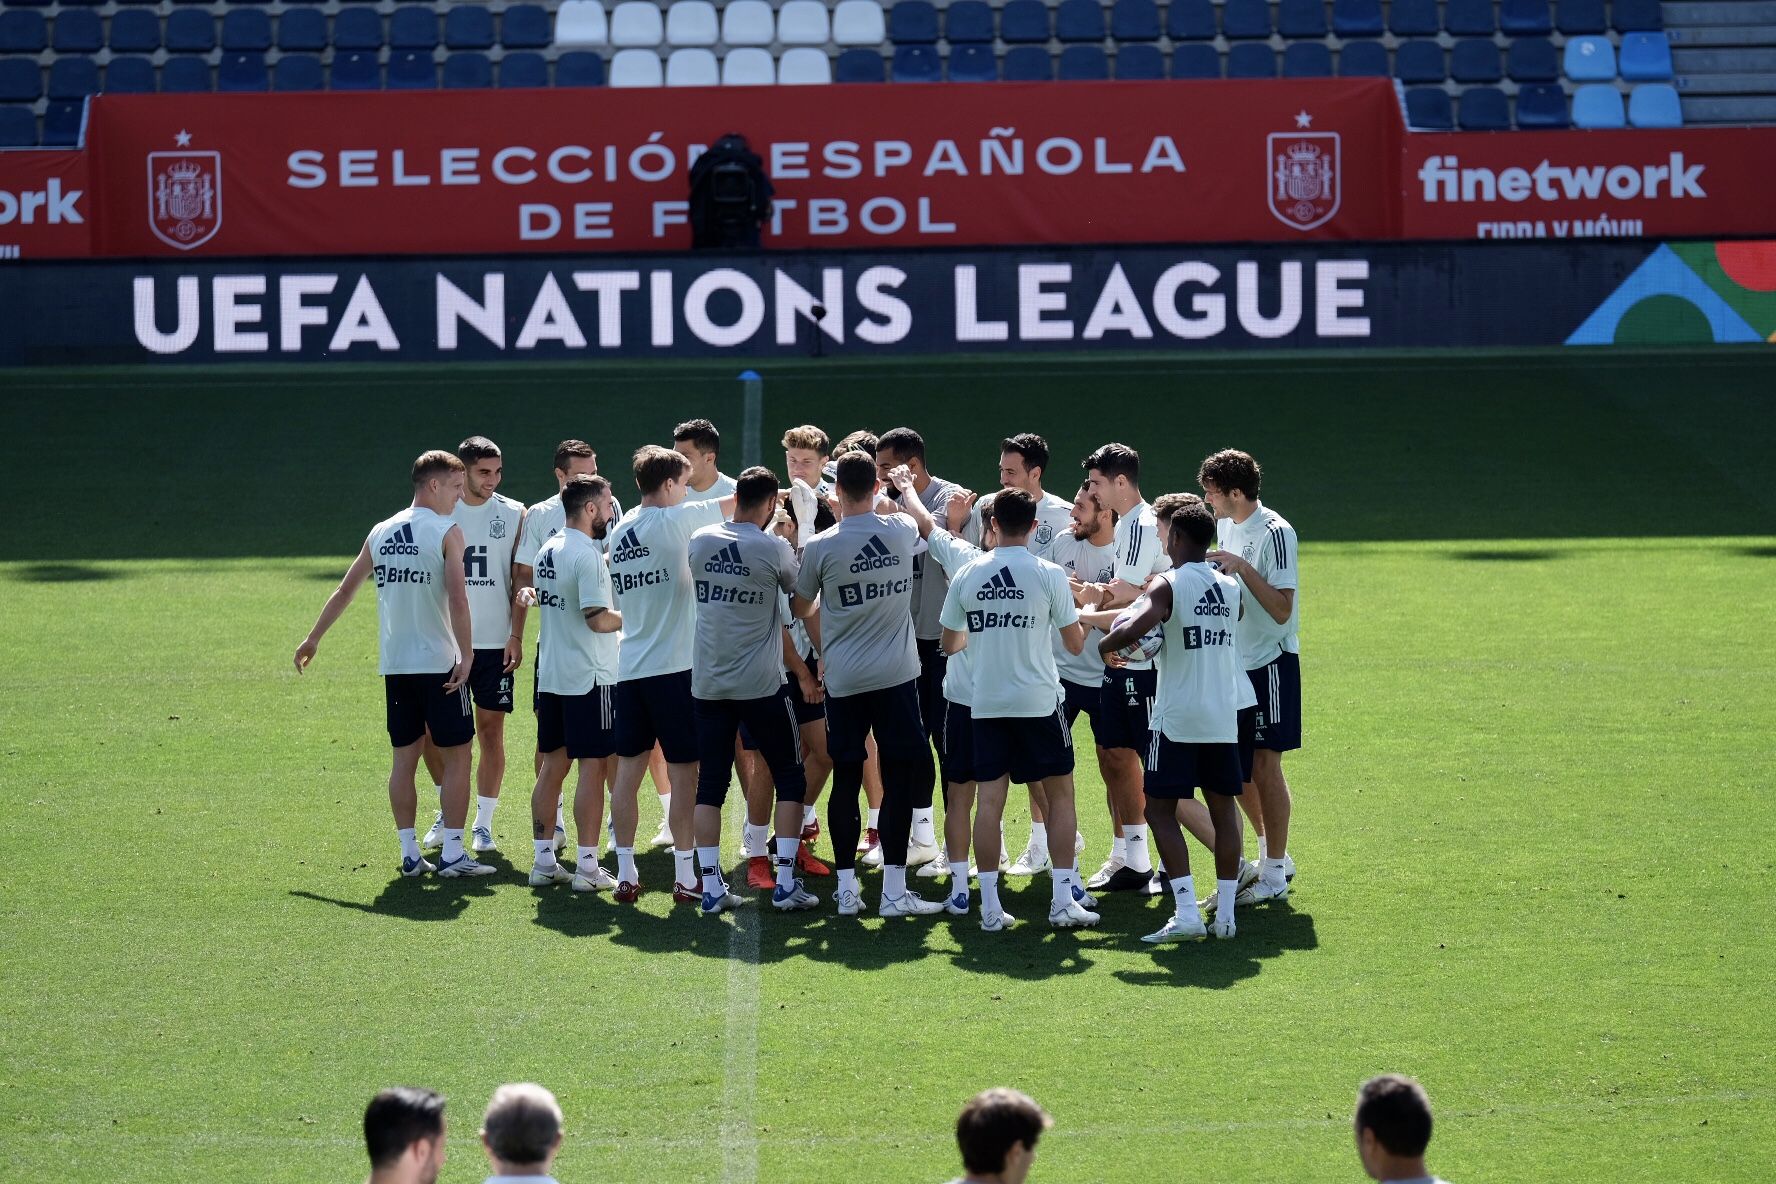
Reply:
x=657, y=709
x=1277, y=726
x=892, y=713
x=1248, y=726
x=1125, y=705
x=585, y=725
x=933, y=663
x=1024, y=748
x=770, y=723
x=1077, y=700
x=955, y=753
x=806, y=712
x=1177, y=770
x=418, y=703
x=489, y=683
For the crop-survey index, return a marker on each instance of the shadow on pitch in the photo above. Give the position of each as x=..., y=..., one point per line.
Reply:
x=1264, y=933
x=1483, y=555
x=425, y=898
x=63, y=573
x=1760, y=551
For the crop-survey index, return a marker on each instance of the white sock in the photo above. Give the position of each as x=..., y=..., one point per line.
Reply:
x=684, y=866
x=1184, y=894
x=958, y=877
x=1135, y=841
x=847, y=879
x=894, y=881
x=560, y=820
x=545, y=852
x=484, y=812
x=709, y=863
x=586, y=858
x=439, y=790
x=755, y=841
x=409, y=844
x=1225, y=891
x=1061, y=881
x=666, y=809
x=1119, y=848
x=807, y=816
x=1039, y=836
x=989, y=884
x=1272, y=872
x=875, y=816
x=1261, y=851
x=786, y=859
x=626, y=865
x=924, y=830
x=453, y=848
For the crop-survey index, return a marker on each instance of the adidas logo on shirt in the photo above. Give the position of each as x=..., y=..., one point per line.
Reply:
x=1000, y=587
x=1213, y=603
x=400, y=543
x=726, y=562
x=545, y=569
x=628, y=548
x=874, y=555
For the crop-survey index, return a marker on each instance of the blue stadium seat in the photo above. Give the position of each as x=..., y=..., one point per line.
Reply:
x=135, y=31
x=1598, y=105
x=129, y=76
x=1475, y=59
x=1636, y=16
x=1079, y=20
x=1363, y=59
x=29, y=3
x=973, y=63
x=1484, y=109
x=580, y=68
x=1023, y=22
x=1356, y=18
x=1138, y=62
x=1084, y=63
x=1190, y=20
x=356, y=69
x=858, y=65
x=413, y=27
x=20, y=81
x=190, y=31
x=529, y=71
x=1195, y=60
x=1541, y=105
x=526, y=26
x=1245, y=19
x=185, y=76
x=1413, y=18
x=412, y=69
x=1470, y=18
x=294, y=72
x=22, y=30
x=1134, y=20
x=357, y=29
x=969, y=22
x=242, y=73
x=1307, y=59
x=1027, y=63
x=18, y=127
x=302, y=30
x=246, y=30
x=1301, y=18
x=1579, y=16
x=1532, y=59
x=1419, y=61
x=467, y=71
x=1525, y=18
x=1251, y=59
x=1646, y=57
x=61, y=123
x=1428, y=109
x=912, y=22
x=468, y=26
x=73, y=78
x=1590, y=59
x=77, y=30
x=916, y=63
x=1654, y=105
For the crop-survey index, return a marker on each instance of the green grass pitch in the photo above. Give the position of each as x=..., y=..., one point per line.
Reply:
x=1532, y=816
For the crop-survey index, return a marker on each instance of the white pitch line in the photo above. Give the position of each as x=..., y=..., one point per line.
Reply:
x=739, y=1129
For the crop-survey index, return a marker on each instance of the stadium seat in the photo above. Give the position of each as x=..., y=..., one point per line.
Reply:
x=1579, y=16
x=691, y=23
x=526, y=26
x=1598, y=105
x=190, y=31
x=1636, y=16
x=1027, y=63
x=1307, y=59
x=1357, y=18
x=357, y=29
x=1525, y=18
x=135, y=31
x=1363, y=59
x=857, y=65
x=1133, y=21
x=807, y=22
x=1541, y=105
x=302, y=30
x=413, y=27
x=1419, y=61
x=968, y=22
x=805, y=65
x=470, y=26
x=1195, y=61
x=1251, y=60
x=1245, y=19
x=973, y=63
x=1413, y=18
x=692, y=67
x=1532, y=59
x=1084, y=63
x=529, y=71
x=1428, y=110
x=748, y=22
x=77, y=31
x=913, y=22
x=22, y=30
x=1469, y=18
x=1483, y=109
x=1139, y=63
x=1646, y=57
x=1590, y=59
x=185, y=76
x=412, y=69
x=61, y=123
x=18, y=127
x=858, y=22
x=467, y=71
x=915, y=63
x=756, y=67
x=632, y=67
x=1190, y=20
x=1301, y=18
x=1654, y=105
x=243, y=73
x=579, y=68
x=129, y=76
x=293, y=72
x=1024, y=22
x=1079, y=21
x=245, y=30
x=1475, y=59
x=356, y=70
x=73, y=78
x=581, y=22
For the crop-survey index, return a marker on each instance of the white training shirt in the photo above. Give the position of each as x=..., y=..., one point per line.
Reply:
x=1267, y=542
x=1054, y=518
x=1140, y=554
x=722, y=486
x=954, y=554
x=412, y=606
x=544, y=521
x=1093, y=565
x=490, y=539
x=651, y=570
x=1009, y=602
x=571, y=577
x=1197, y=699
x=929, y=586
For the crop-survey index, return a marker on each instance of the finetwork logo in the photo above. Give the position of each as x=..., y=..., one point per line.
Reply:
x=726, y=562
x=629, y=548
x=1446, y=180
x=874, y=555
x=1213, y=603
x=1000, y=587
x=400, y=542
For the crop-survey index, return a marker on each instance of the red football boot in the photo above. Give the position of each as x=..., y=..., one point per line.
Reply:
x=687, y=894
x=627, y=893
x=759, y=874
x=806, y=863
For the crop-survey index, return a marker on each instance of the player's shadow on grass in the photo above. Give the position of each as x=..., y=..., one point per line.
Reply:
x=425, y=898
x=1483, y=555
x=1263, y=933
x=1760, y=551
x=63, y=573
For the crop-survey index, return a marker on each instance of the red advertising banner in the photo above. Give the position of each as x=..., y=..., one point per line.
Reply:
x=853, y=166
x=1701, y=182
x=46, y=205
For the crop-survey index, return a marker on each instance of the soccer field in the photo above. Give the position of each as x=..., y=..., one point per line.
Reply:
x=1531, y=815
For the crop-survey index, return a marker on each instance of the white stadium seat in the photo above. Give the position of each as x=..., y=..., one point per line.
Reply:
x=803, y=22
x=637, y=23
x=748, y=22
x=581, y=22
x=804, y=67
x=748, y=67
x=692, y=67
x=635, y=67
x=858, y=22
x=691, y=22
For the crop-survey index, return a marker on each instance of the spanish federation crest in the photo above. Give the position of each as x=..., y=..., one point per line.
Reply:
x=1304, y=169
x=497, y=528
x=185, y=197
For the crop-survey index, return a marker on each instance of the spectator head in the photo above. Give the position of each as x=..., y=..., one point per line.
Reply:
x=522, y=1130
x=404, y=1134
x=1393, y=1127
x=997, y=1134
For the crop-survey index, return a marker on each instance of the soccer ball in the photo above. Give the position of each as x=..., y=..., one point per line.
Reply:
x=1143, y=648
